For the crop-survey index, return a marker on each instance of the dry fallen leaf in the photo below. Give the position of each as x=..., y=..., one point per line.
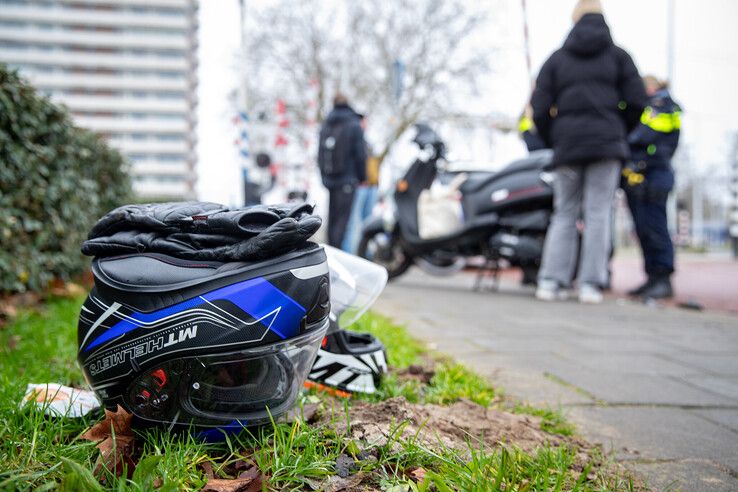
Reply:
x=418, y=473
x=252, y=473
x=233, y=485
x=240, y=465
x=118, y=422
x=116, y=442
x=207, y=467
x=8, y=309
x=68, y=289
x=116, y=454
x=337, y=484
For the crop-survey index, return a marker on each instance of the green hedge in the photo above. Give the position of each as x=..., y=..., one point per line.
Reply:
x=55, y=181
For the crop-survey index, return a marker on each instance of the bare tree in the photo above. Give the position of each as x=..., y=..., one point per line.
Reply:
x=303, y=51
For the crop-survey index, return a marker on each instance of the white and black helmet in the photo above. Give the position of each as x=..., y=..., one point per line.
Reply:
x=350, y=361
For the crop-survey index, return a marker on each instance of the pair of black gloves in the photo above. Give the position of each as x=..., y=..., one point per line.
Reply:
x=203, y=231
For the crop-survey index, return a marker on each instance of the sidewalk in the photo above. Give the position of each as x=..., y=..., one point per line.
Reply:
x=658, y=386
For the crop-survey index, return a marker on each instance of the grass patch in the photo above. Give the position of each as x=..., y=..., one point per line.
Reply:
x=39, y=452
x=454, y=381
x=402, y=349
x=552, y=421
x=450, y=382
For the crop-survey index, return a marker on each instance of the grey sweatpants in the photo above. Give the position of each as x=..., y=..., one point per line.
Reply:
x=585, y=191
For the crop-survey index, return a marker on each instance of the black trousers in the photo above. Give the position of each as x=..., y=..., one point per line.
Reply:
x=647, y=202
x=339, y=211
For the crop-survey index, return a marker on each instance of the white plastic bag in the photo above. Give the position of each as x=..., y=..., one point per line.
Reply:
x=61, y=401
x=439, y=209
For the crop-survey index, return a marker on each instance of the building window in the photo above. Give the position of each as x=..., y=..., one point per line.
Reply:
x=170, y=179
x=12, y=23
x=170, y=157
x=170, y=138
x=171, y=75
x=170, y=116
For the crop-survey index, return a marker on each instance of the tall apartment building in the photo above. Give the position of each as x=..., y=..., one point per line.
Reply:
x=125, y=69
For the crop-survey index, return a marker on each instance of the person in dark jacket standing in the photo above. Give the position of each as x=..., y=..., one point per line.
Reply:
x=588, y=97
x=647, y=180
x=342, y=162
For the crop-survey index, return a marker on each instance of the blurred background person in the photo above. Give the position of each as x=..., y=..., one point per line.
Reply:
x=588, y=97
x=647, y=180
x=364, y=198
x=342, y=162
x=527, y=131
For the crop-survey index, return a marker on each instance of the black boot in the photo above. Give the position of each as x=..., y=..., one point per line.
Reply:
x=640, y=290
x=660, y=288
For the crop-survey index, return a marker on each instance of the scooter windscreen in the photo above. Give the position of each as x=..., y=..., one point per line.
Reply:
x=355, y=285
x=246, y=386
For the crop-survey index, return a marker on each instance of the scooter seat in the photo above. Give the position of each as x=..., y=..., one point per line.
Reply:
x=536, y=161
x=474, y=181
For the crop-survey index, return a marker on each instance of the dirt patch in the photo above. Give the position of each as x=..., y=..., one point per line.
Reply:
x=452, y=425
x=421, y=373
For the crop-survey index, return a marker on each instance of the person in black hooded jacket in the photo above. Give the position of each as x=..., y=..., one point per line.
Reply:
x=588, y=97
x=342, y=162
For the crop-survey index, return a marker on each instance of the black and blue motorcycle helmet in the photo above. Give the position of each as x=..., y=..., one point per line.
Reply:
x=206, y=345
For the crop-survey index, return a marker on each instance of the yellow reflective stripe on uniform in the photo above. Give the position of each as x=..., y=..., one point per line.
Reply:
x=662, y=122
x=525, y=124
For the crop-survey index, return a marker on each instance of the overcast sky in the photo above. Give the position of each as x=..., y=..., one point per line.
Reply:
x=705, y=76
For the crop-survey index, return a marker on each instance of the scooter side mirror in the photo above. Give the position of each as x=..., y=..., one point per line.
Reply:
x=426, y=153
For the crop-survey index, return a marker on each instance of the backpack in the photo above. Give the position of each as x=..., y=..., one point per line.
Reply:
x=331, y=151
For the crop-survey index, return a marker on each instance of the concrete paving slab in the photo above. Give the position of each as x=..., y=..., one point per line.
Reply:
x=656, y=433
x=724, y=417
x=716, y=384
x=721, y=364
x=699, y=338
x=687, y=475
x=525, y=373
x=546, y=344
x=634, y=363
x=639, y=389
x=624, y=345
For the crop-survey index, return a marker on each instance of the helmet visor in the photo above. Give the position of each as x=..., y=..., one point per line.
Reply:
x=245, y=386
x=355, y=285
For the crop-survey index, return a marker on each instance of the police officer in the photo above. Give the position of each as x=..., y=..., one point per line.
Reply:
x=647, y=181
x=527, y=131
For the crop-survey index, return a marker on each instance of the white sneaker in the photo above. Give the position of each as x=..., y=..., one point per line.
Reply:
x=549, y=290
x=590, y=294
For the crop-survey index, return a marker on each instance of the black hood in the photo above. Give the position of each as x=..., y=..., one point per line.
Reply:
x=589, y=36
x=341, y=113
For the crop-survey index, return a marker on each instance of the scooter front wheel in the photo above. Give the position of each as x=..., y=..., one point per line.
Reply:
x=385, y=250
